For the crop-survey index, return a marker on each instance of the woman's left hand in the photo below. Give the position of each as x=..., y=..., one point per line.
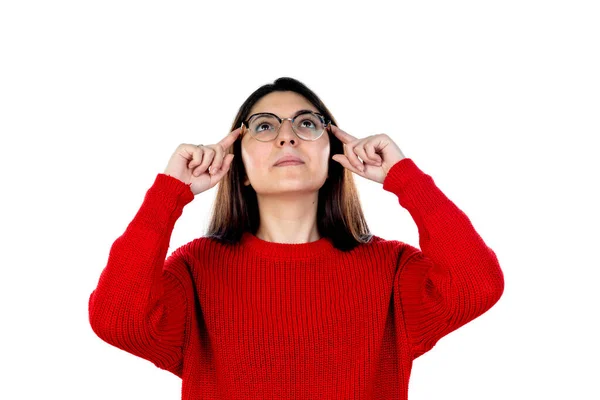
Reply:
x=378, y=152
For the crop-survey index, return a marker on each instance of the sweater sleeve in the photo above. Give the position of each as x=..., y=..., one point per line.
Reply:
x=455, y=277
x=140, y=302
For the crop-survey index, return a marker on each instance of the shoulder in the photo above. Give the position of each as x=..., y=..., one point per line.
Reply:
x=204, y=249
x=192, y=251
x=189, y=259
x=199, y=247
x=398, y=250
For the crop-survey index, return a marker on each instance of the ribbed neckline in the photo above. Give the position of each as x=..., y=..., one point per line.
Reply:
x=286, y=250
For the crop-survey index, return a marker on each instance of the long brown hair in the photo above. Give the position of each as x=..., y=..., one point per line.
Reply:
x=339, y=214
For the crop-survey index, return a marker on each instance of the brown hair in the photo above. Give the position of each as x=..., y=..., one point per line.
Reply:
x=339, y=214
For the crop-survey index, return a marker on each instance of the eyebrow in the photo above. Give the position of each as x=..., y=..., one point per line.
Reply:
x=301, y=111
x=295, y=114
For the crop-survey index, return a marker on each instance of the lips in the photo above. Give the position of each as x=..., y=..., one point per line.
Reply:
x=289, y=159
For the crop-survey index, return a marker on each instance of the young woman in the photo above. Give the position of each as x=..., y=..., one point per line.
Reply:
x=289, y=295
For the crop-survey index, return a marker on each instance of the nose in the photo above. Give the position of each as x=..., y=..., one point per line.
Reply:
x=286, y=133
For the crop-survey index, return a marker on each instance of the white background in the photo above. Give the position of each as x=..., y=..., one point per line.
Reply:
x=498, y=101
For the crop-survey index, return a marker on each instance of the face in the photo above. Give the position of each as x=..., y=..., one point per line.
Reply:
x=259, y=157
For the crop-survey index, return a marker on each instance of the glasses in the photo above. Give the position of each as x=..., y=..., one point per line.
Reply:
x=264, y=127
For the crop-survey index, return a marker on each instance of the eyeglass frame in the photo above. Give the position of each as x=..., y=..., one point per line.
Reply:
x=325, y=121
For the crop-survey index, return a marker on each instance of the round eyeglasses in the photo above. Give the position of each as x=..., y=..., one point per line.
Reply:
x=264, y=127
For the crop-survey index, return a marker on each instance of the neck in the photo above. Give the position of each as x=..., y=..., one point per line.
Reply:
x=288, y=218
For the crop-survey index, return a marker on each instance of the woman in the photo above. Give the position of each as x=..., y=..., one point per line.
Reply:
x=289, y=295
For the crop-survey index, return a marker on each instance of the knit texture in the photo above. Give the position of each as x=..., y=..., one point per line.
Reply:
x=262, y=320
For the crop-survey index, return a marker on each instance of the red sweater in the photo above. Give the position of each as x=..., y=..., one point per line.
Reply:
x=263, y=320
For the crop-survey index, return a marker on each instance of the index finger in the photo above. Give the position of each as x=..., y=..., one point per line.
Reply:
x=230, y=138
x=340, y=134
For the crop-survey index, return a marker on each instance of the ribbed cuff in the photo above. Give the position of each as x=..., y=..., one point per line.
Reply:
x=168, y=185
x=400, y=174
x=163, y=203
x=415, y=189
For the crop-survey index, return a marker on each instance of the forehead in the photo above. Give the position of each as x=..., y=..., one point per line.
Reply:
x=283, y=104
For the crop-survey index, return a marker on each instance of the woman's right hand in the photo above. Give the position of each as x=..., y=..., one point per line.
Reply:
x=190, y=163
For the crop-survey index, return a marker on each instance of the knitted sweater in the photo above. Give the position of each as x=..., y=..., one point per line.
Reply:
x=262, y=320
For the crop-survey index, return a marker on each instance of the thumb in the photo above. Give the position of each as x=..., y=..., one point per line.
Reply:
x=339, y=158
x=342, y=159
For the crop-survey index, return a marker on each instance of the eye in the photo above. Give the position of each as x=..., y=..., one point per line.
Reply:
x=310, y=123
x=261, y=125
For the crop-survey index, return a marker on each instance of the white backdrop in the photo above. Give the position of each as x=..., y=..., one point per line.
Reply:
x=497, y=101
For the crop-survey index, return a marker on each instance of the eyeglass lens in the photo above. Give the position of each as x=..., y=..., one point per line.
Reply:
x=265, y=127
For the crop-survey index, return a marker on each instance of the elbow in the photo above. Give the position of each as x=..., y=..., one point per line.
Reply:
x=494, y=285
x=485, y=288
x=102, y=318
x=496, y=279
x=97, y=319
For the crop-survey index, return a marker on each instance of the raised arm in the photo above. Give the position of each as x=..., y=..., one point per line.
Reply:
x=455, y=277
x=141, y=301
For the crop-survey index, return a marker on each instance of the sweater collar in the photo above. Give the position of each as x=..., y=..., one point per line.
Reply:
x=286, y=250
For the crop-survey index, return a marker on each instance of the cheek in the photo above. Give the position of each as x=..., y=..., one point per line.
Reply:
x=325, y=154
x=254, y=160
